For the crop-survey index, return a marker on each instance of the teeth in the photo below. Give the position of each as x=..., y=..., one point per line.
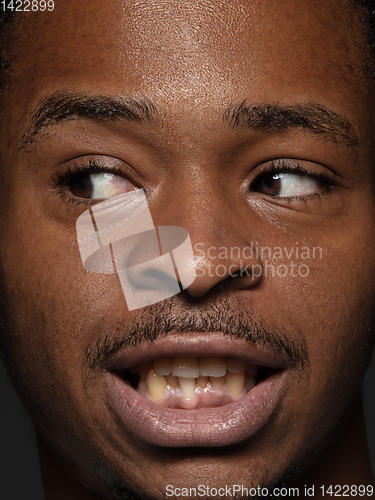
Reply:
x=163, y=366
x=212, y=366
x=185, y=366
x=172, y=381
x=217, y=383
x=156, y=385
x=235, y=365
x=188, y=373
x=235, y=383
x=202, y=381
x=187, y=386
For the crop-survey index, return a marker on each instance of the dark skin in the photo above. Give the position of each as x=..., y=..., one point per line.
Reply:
x=192, y=62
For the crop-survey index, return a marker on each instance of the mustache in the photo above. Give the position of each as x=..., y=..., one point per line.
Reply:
x=223, y=316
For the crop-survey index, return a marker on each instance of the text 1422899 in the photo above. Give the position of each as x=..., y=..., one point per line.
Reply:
x=27, y=5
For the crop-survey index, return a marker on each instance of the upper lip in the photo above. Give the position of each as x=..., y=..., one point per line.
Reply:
x=196, y=344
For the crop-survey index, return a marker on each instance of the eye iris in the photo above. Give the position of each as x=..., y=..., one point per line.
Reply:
x=81, y=186
x=271, y=184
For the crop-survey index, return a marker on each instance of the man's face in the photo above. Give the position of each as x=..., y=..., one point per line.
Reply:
x=244, y=148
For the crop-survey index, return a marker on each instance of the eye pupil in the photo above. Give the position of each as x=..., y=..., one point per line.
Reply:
x=81, y=186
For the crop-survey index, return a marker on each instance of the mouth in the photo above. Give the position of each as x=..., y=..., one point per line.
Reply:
x=191, y=382
x=203, y=390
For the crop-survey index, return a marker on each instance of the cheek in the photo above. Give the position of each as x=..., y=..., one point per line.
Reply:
x=330, y=306
x=334, y=311
x=55, y=308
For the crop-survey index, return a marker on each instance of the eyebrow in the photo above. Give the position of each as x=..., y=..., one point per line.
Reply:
x=62, y=106
x=311, y=116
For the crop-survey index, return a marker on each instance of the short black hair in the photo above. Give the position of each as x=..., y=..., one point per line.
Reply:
x=9, y=21
x=369, y=21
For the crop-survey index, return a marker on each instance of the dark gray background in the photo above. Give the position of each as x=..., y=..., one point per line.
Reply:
x=19, y=469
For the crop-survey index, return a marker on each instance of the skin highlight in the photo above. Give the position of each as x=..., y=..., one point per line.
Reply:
x=191, y=63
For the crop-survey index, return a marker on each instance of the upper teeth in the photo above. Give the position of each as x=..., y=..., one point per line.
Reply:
x=189, y=373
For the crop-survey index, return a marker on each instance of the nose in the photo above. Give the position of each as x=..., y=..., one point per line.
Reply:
x=155, y=263
x=223, y=243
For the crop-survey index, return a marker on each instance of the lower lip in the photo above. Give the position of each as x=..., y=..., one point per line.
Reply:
x=220, y=426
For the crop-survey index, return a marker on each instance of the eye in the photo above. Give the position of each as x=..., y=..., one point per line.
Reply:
x=286, y=184
x=98, y=185
x=93, y=179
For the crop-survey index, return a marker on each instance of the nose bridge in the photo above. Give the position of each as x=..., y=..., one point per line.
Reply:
x=195, y=200
x=202, y=201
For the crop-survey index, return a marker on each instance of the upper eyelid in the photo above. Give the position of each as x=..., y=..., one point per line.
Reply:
x=92, y=166
x=292, y=166
x=295, y=166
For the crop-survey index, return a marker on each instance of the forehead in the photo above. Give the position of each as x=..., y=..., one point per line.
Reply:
x=193, y=51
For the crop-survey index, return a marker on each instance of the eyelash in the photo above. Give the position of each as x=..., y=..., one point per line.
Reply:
x=61, y=177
